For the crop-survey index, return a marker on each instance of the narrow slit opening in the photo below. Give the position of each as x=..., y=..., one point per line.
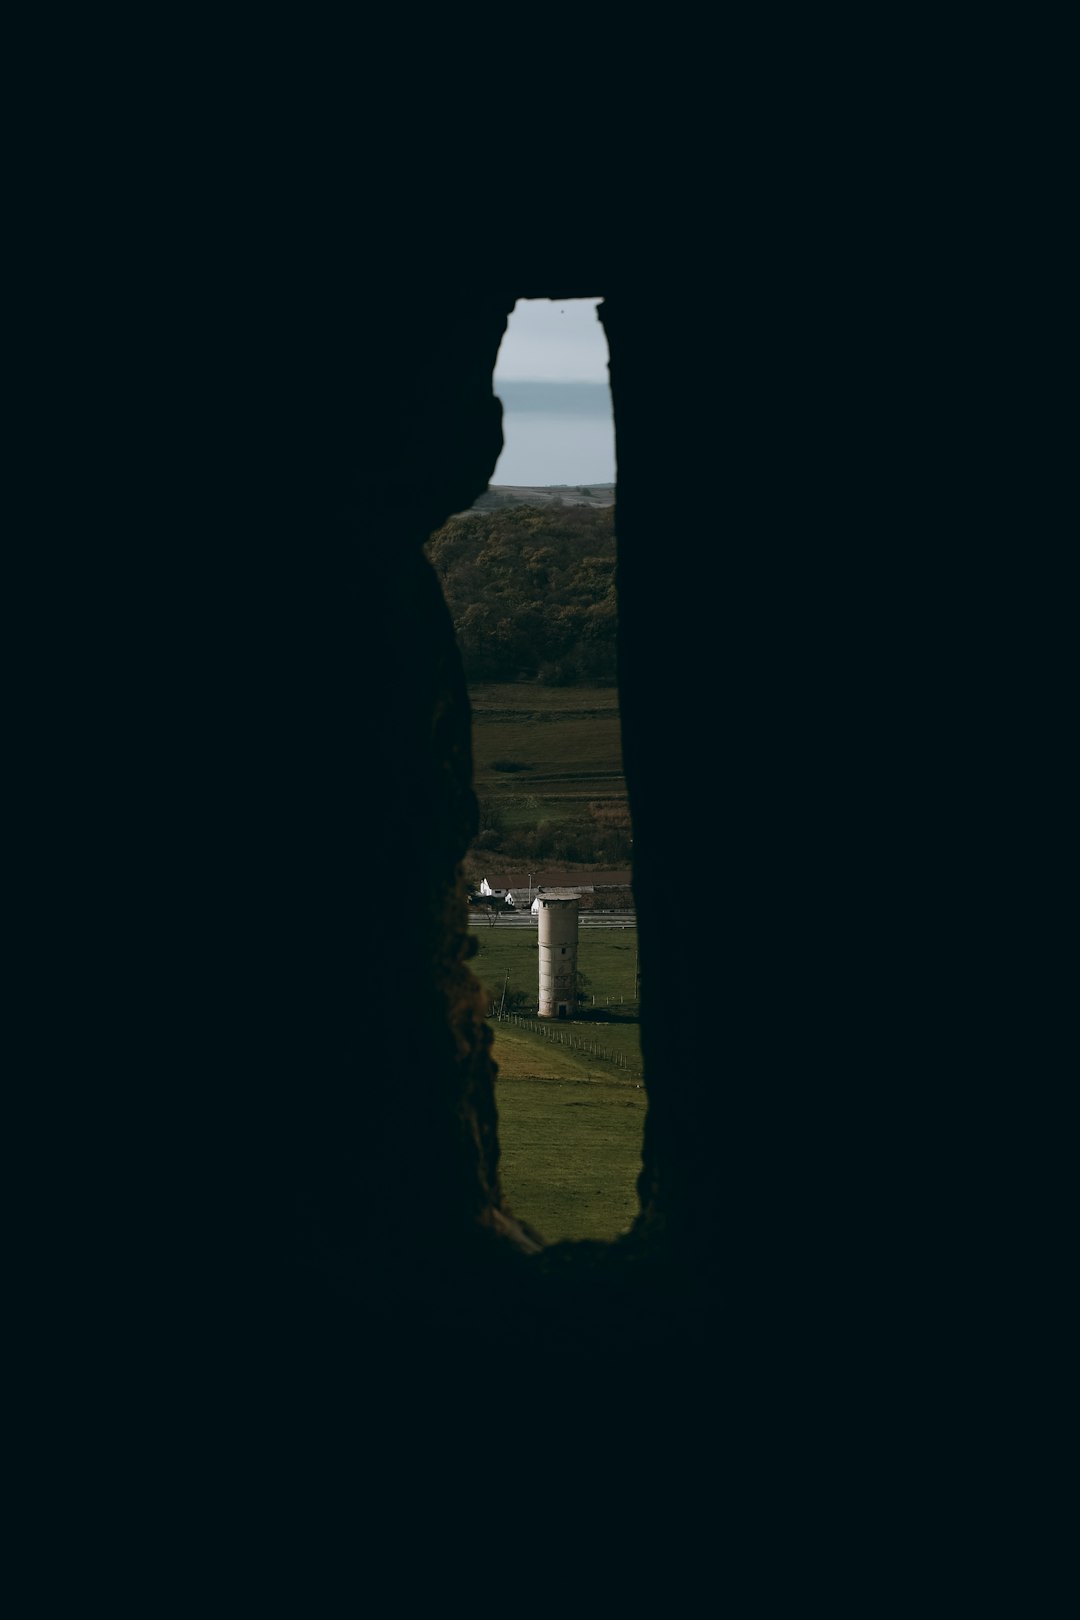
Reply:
x=529, y=576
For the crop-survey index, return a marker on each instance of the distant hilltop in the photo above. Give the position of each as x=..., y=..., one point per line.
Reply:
x=499, y=496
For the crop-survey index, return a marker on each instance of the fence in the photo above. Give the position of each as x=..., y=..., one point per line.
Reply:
x=566, y=1037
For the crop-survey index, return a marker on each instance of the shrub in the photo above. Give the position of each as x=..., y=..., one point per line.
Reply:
x=491, y=819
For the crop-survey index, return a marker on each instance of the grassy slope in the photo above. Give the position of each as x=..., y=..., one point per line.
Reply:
x=570, y=1121
x=571, y=1144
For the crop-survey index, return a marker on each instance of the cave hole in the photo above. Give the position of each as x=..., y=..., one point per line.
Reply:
x=529, y=575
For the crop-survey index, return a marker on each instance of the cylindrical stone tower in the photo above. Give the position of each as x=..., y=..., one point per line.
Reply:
x=557, y=917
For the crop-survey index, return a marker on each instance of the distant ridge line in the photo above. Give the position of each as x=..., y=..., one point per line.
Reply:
x=499, y=497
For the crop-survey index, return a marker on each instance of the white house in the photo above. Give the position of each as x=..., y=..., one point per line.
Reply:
x=496, y=894
x=543, y=894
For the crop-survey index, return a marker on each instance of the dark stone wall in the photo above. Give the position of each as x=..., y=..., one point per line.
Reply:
x=402, y=1179
x=271, y=722
x=306, y=712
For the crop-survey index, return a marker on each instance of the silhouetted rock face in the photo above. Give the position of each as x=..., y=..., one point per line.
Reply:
x=295, y=711
x=355, y=1055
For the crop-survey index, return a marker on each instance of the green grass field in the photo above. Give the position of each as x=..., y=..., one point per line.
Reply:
x=518, y=697
x=567, y=741
x=570, y=1115
x=570, y=1098
x=606, y=956
x=571, y=1141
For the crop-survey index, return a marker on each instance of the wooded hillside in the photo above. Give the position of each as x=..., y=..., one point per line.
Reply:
x=531, y=592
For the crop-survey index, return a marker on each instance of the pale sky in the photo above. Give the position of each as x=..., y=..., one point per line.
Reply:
x=549, y=341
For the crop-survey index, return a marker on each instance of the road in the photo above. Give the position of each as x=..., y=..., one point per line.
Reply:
x=524, y=919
